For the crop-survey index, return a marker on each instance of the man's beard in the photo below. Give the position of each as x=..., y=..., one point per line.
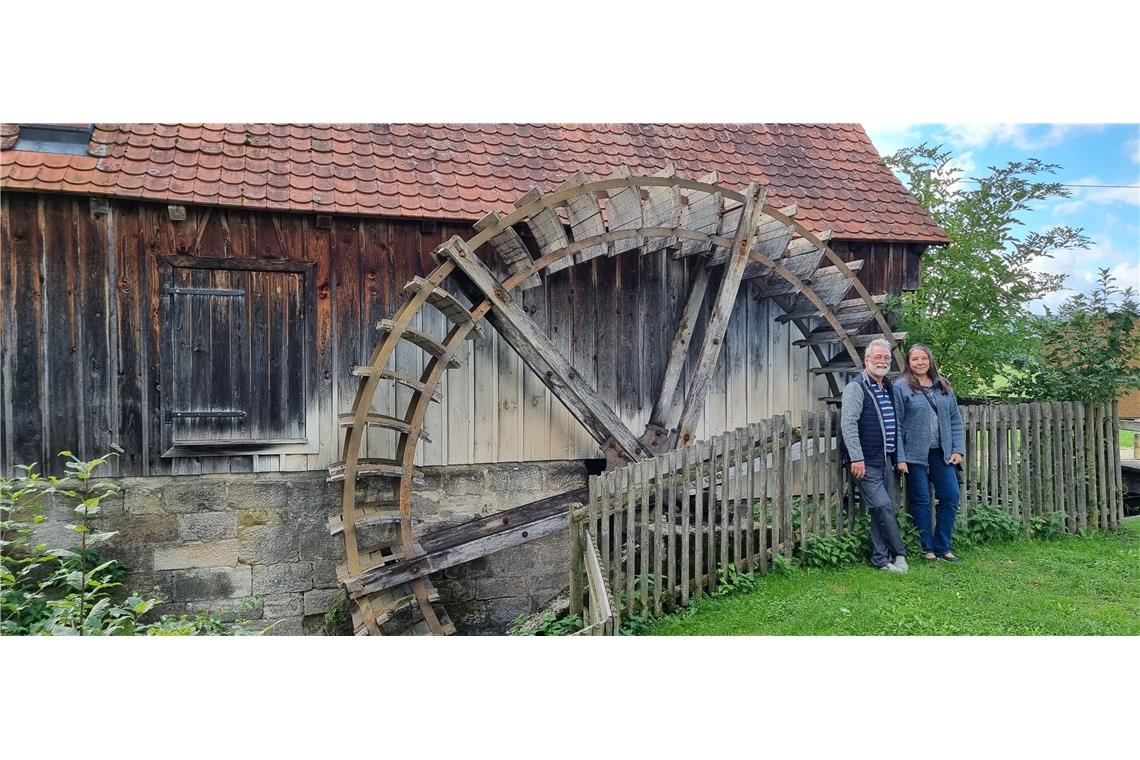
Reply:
x=879, y=371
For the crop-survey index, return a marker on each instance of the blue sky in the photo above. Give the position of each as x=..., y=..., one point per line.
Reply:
x=1088, y=154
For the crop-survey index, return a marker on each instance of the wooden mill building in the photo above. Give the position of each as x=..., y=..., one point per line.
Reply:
x=201, y=298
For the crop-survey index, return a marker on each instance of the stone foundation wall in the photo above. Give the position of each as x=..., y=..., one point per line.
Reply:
x=211, y=542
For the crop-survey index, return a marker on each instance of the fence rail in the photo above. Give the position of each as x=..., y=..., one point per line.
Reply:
x=668, y=530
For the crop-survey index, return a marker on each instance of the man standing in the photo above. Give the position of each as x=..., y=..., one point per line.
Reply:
x=867, y=423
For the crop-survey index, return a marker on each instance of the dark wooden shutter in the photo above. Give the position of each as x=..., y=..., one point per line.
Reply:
x=236, y=342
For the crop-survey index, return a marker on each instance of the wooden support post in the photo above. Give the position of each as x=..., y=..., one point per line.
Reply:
x=720, y=314
x=663, y=419
x=539, y=353
x=577, y=547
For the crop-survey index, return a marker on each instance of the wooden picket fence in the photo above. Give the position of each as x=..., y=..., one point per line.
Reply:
x=658, y=534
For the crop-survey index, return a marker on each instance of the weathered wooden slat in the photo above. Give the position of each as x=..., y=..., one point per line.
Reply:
x=453, y=546
x=586, y=219
x=364, y=516
x=724, y=503
x=701, y=213
x=397, y=377
x=659, y=530
x=446, y=303
x=546, y=228
x=718, y=318
x=771, y=239
x=624, y=211
x=662, y=209
x=829, y=283
x=824, y=337
x=801, y=258
x=511, y=249
x=370, y=466
x=630, y=534
x=700, y=452
x=422, y=340
x=672, y=465
x=686, y=512
x=664, y=416
x=383, y=421
x=536, y=349
x=803, y=309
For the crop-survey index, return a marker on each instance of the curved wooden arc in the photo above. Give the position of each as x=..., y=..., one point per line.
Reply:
x=373, y=371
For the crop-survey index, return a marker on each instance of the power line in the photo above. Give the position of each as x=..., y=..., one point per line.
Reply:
x=1127, y=187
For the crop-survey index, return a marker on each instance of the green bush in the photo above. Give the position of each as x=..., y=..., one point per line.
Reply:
x=56, y=591
x=548, y=625
x=988, y=524
x=1047, y=526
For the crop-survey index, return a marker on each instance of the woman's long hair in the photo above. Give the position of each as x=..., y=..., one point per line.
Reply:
x=939, y=381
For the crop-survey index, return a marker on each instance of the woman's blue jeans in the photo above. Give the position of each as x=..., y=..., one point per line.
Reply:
x=935, y=538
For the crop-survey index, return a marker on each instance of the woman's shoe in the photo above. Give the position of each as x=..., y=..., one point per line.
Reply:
x=948, y=557
x=931, y=556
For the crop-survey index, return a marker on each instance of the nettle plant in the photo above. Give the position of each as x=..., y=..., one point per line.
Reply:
x=73, y=591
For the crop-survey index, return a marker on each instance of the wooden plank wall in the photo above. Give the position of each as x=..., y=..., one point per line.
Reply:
x=80, y=340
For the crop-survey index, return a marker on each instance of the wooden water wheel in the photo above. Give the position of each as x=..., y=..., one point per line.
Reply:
x=621, y=214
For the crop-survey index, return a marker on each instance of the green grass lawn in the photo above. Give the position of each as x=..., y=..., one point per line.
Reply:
x=1074, y=586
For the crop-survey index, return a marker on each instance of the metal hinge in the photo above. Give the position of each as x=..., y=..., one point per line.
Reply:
x=170, y=291
x=172, y=415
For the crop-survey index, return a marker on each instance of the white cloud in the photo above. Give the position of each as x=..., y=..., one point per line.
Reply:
x=1081, y=268
x=889, y=138
x=1024, y=137
x=1132, y=149
x=1083, y=197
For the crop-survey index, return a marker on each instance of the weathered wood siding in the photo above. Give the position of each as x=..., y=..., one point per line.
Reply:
x=81, y=336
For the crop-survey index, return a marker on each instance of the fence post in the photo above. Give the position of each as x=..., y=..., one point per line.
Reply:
x=577, y=547
x=1117, y=475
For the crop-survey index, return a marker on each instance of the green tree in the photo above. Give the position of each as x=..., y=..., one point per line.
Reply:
x=1089, y=349
x=971, y=305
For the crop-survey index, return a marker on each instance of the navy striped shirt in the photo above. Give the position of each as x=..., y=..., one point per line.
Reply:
x=887, y=409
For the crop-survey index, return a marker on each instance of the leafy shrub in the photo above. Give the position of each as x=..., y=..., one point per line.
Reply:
x=548, y=625
x=988, y=524
x=1047, y=526
x=833, y=550
x=338, y=619
x=54, y=591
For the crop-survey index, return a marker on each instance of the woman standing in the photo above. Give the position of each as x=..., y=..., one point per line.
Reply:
x=931, y=444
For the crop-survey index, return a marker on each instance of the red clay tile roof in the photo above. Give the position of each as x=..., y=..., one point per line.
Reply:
x=450, y=171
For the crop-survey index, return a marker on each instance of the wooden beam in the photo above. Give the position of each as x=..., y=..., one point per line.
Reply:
x=536, y=349
x=721, y=311
x=665, y=413
x=456, y=545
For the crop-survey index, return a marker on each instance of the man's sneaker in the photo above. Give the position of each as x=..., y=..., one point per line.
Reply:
x=900, y=563
x=892, y=569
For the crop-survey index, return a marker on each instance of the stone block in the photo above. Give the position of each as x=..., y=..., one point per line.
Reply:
x=500, y=616
x=142, y=529
x=206, y=554
x=455, y=591
x=465, y=480
x=193, y=495
x=318, y=601
x=209, y=526
x=563, y=476
x=211, y=584
x=269, y=544
x=324, y=573
x=316, y=543
x=230, y=610
x=507, y=479
x=142, y=498
x=470, y=618
x=283, y=578
x=249, y=517
x=476, y=568
x=500, y=587
x=283, y=605
x=149, y=585
x=270, y=495
x=313, y=498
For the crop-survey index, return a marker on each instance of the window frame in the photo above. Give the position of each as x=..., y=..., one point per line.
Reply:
x=310, y=444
